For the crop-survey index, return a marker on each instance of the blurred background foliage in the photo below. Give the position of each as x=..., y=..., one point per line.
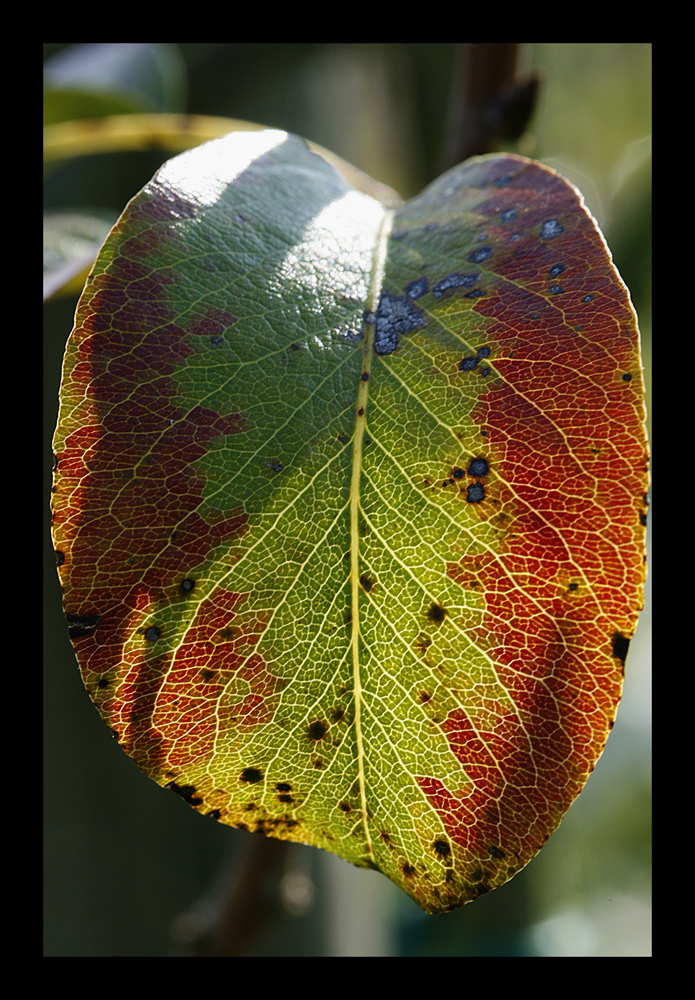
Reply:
x=130, y=869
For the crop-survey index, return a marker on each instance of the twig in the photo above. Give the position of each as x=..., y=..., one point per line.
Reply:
x=489, y=104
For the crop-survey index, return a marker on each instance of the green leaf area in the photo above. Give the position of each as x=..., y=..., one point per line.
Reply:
x=349, y=504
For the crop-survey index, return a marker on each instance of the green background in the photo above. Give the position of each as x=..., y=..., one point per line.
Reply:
x=124, y=860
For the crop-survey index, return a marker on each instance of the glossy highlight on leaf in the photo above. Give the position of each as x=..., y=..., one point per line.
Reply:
x=349, y=504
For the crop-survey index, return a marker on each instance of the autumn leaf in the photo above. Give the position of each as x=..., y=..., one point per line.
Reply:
x=349, y=504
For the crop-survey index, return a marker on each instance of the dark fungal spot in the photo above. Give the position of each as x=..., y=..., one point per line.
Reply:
x=365, y=376
x=484, y=352
x=508, y=216
x=337, y=715
x=283, y=786
x=621, y=644
x=417, y=288
x=395, y=314
x=478, y=256
x=425, y=696
x=81, y=625
x=216, y=341
x=60, y=557
x=187, y=792
x=442, y=848
x=475, y=493
x=345, y=807
x=152, y=633
x=187, y=585
x=557, y=290
x=556, y=270
x=103, y=683
x=407, y=869
x=251, y=775
x=317, y=730
x=436, y=613
x=550, y=229
x=360, y=412
x=214, y=814
x=457, y=473
x=454, y=281
x=588, y=298
x=468, y=364
x=478, y=467
x=496, y=852
x=627, y=377
x=572, y=586
x=285, y=798
x=366, y=582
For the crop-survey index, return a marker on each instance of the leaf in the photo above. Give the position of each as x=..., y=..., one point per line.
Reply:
x=71, y=241
x=349, y=504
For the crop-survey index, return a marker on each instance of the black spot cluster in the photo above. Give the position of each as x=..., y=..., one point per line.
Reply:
x=395, y=314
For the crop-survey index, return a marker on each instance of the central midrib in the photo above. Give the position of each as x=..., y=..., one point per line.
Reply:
x=375, y=286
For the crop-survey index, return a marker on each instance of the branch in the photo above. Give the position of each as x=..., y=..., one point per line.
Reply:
x=489, y=104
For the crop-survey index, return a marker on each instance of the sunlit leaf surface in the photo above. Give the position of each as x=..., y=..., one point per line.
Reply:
x=349, y=504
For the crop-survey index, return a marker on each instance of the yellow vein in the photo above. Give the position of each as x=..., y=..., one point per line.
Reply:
x=375, y=284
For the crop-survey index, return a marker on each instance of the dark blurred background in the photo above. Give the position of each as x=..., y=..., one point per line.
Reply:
x=130, y=869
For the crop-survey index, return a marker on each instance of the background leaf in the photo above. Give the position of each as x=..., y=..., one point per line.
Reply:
x=372, y=574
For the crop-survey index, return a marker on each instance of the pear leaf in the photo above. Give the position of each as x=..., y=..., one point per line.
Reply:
x=349, y=503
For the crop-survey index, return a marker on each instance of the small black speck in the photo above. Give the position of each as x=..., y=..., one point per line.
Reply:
x=436, y=613
x=508, y=216
x=475, y=493
x=365, y=376
x=627, y=377
x=557, y=290
x=214, y=814
x=283, y=786
x=187, y=585
x=345, y=807
x=550, y=229
x=251, y=775
x=317, y=730
x=216, y=341
x=484, y=352
x=103, y=683
x=442, y=848
x=60, y=557
x=621, y=644
x=468, y=364
x=81, y=625
x=187, y=792
x=478, y=467
x=417, y=288
x=457, y=473
x=556, y=270
x=573, y=586
x=152, y=633
x=367, y=582
x=588, y=298
x=478, y=256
